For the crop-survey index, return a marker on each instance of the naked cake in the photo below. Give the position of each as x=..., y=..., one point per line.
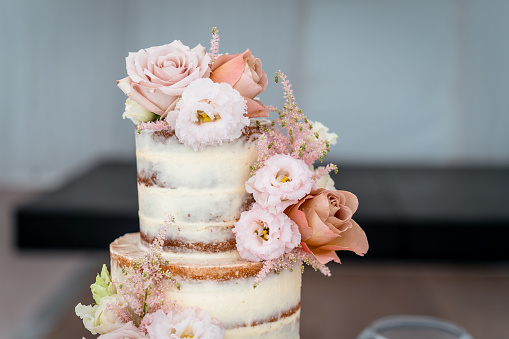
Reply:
x=230, y=205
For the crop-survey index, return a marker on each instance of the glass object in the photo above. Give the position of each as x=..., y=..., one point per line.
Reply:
x=413, y=327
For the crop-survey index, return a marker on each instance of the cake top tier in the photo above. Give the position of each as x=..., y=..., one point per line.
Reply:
x=206, y=100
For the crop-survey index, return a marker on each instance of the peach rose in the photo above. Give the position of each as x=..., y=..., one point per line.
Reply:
x=244, y=73
x=325, y=223
x=157, y=76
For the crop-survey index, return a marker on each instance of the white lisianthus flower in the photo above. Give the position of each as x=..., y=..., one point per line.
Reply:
x=137, y=113
x=281, y=182
x=99, y=319
x=323, y=132
x=262, y=235
x=188, y=323
x=209, y=113
x=127, y=331
x=325, y=181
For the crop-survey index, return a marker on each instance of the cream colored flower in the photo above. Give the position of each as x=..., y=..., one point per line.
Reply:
x=325, y=181
x=323, y=132
x=137, y=113
x=100, y=318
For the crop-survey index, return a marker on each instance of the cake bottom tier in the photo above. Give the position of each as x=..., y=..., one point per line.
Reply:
x=225, y=289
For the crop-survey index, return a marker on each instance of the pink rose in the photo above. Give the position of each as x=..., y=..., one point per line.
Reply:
x=281, y=182
x=261, y=235
x=245, y=74
x=325, y=223
x=157, y=76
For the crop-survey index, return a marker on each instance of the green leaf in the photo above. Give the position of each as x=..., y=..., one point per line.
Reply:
x=103, y=286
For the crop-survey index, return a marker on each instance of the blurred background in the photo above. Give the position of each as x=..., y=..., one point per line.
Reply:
x=416, y=90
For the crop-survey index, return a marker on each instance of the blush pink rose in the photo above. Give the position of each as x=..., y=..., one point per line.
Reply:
x=245, y=74
x=157, y=76
x=325, y=222
x=261, y=235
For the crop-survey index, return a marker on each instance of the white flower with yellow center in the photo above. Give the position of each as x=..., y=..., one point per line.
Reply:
x=281, y=182
x=209, y=114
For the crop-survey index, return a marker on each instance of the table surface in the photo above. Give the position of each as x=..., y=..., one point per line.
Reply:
x=407, y=212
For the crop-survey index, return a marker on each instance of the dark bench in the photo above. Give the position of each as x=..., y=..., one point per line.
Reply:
x=407, y=212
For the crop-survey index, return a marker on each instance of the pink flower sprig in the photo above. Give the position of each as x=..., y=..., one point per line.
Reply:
x=287, y=261
x=320, y=172
x=214, y=45
x=291, y=133
x=121, y=313
x=167, y=308
x=143, y=284
x=157, y=125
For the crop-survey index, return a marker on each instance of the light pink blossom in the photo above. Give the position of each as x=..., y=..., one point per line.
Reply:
x=187, y=323
x=143, y=283
x=157, y=76
x=262, y=235
x=281, y=182
x=209, y=114
x=127, y=331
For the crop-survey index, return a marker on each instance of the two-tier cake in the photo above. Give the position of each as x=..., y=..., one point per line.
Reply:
x=230, y=206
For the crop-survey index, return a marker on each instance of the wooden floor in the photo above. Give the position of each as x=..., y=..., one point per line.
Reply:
x=42, y=289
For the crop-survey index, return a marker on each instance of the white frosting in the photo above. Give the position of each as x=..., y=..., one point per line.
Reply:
x=286, y=328
x=236, y=302
x=203, y=190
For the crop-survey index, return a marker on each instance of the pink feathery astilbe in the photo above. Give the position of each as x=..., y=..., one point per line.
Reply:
x=297, y=257
x=157, y=125
x=214, y=45
x=143, y=284
x=291, y=133
x=321, y=171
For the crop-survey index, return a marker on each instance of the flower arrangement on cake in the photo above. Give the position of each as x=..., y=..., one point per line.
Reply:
x=297, y=217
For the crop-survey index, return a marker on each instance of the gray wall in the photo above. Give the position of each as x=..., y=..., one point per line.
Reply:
x=408, y=82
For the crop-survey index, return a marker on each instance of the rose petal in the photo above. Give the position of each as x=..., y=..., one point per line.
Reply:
x=247, y=87
x=126, y=86
x=350, y=200
x=159, y=100
x=324, y=256
x=320, y=204
x=322, y=234
x=222, y=59
x=255, y=109
x=300, y=219
x=354, y=240
x=230, y=70
x=338, y=224
x=344, y=213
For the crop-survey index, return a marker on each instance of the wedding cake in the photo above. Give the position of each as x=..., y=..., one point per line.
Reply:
x=230, y=205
